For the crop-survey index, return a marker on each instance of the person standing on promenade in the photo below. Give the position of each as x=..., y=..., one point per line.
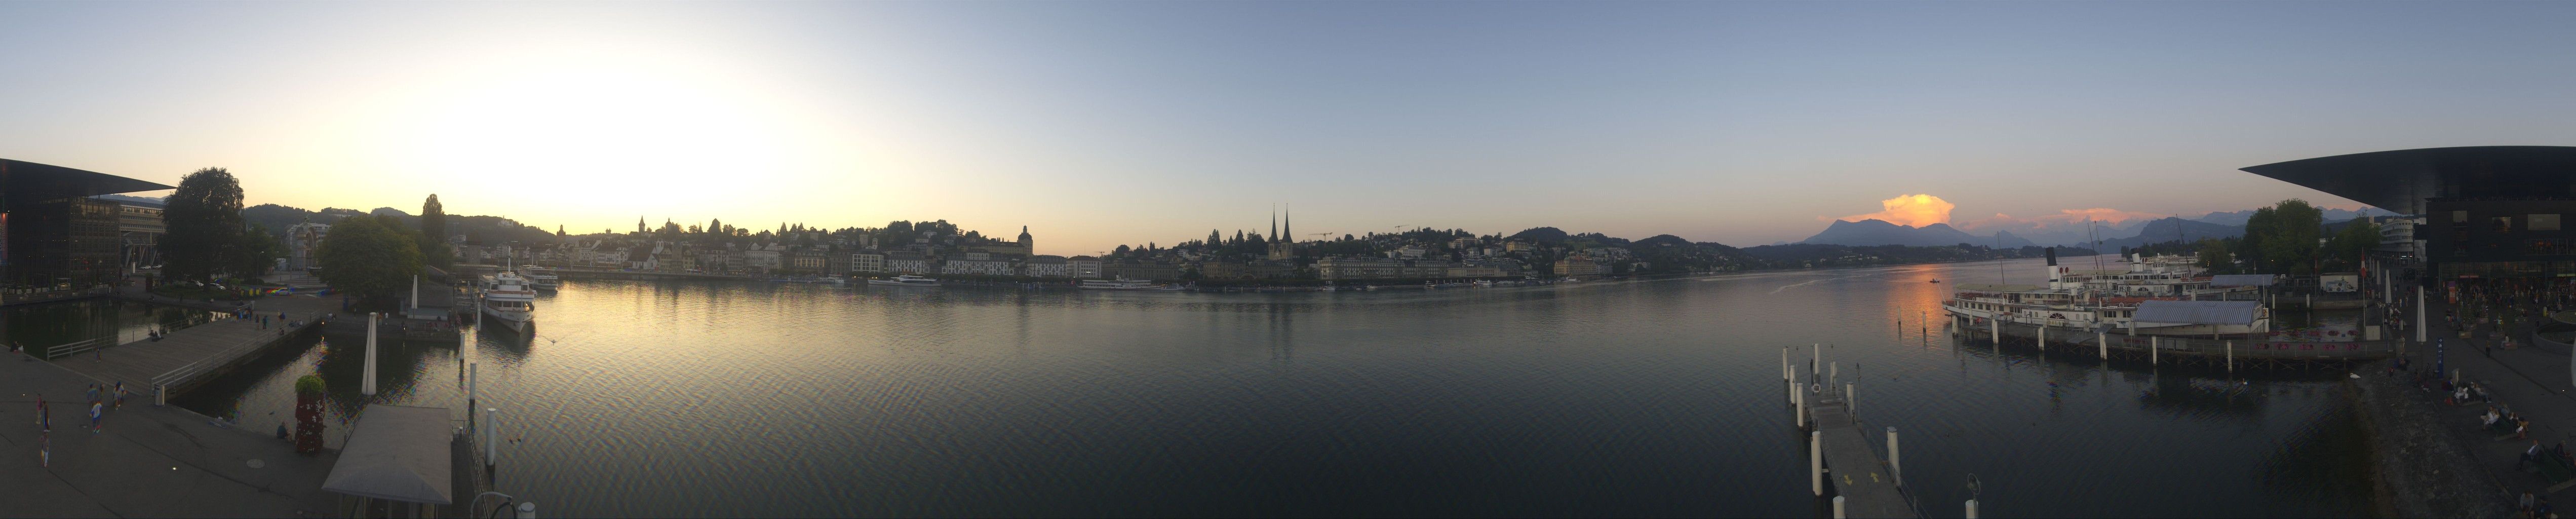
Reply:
x=44, y=415
x=94, y=412
x=119, y=395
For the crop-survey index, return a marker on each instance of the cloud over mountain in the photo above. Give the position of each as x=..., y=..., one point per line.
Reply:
x=1915, y=210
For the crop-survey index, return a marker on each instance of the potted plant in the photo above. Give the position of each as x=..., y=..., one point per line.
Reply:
x=309, y=392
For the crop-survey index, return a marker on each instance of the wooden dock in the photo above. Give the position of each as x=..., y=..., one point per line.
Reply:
x=1868, y=488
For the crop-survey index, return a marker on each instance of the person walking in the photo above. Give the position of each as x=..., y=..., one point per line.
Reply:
x=44, y=415
x=95, y=410
x=119, y=395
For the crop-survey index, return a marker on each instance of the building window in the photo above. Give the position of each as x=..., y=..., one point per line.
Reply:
x=2545, y=247
x=2543, y=222
x=2459, y=217
x=2502, y=223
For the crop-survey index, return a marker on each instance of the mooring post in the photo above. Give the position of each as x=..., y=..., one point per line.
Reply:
x=1816, y=463
x=1972, y=509
x=1833, y=374
x=1851, y=403
x=1799, y=399
x=2102, y=338
x=2152, y=353
x=527, y=511
x=1815, y=365
x=2231, y=356
x=1838, y=507
x=1995, y=327
x=491, y=438
x=1784, y=363
x=368, y=382
x=1793, y=390
x=2042, y=330
x=1895, y=466
x=473, y=384
x=2420, y=322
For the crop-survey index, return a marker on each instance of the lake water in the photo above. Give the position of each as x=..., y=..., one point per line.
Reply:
x=1646, y=398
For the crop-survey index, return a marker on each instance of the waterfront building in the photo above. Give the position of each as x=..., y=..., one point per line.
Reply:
x=1411, y=252
x=1046, y=266
x=1475, y=270
x=907, y=262
x=1082, y=267
x=835, y=263
x=303, y=242
x=2397, y=235
x=1581, y=266
x=868, y=262
x=1518, y=246
x=763, y=257
x=2488, y=211
x=986, y=266
x=53, y=236
x=808, y=260
x=1141, y=271
x=139, y=230
x=1342, y=269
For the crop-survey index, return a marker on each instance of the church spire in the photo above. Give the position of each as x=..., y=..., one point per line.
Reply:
x=1287, y=231
x=1274, y=223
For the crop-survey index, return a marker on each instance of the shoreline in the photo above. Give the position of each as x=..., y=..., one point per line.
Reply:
x=2418, y=468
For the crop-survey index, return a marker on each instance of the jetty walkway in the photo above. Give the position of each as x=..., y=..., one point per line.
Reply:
x=186, y=356
x=1866, y=484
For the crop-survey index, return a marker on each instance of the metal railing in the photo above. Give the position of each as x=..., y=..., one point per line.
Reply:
x=70, y=348
x=189, y=371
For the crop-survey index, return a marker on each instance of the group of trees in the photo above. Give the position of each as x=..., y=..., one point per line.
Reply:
x=205, y=235
x=2289, y=237
x=372, y=256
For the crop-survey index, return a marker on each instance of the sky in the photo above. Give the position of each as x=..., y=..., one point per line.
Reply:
x=1102, y=123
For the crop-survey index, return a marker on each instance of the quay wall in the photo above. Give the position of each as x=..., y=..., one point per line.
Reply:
x=2194, y=347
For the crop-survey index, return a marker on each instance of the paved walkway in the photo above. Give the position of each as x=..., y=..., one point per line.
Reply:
x=146, y=461
x=2532, y=381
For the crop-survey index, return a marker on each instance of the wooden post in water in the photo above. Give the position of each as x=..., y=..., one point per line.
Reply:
x=1784, y=363
x=2152, y=354
x=2103, y=338
x=368, y=382
x=2231, y=356
x=1895, y=469
x=2420, y=323
x=1833, y=374
x=1851, y=402
x=1995, y=327
x=491, y=438
x=1816, y=365
x=473, y=386
x=1816, y=463
x=1793, y=389
x=1972, y=509
x=2042, y=329
x=1838, y=507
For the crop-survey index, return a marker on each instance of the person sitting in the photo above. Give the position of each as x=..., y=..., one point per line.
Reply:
x=2530, y=455
x=2489, y=419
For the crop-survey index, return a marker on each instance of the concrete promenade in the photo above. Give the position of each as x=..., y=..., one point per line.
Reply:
x=2532, y=381
x=146, y=461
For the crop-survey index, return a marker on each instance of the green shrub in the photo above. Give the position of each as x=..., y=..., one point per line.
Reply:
x=309, y=385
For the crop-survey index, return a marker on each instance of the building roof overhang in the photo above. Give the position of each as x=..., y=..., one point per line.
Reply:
x=23, y=181
x=2401, y=180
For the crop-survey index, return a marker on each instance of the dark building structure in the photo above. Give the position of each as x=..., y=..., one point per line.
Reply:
x=53, y=236
x=2488, y=211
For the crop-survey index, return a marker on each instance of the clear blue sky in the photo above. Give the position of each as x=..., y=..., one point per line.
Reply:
x=1104, y=123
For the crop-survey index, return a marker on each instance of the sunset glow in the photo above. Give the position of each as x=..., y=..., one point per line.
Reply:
x=1914, y=210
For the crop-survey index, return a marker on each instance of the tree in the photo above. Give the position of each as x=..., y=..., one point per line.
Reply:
x=2343, y=251
x=253, y=253
x=373, y=257
x=2214, y=257
x=2282, y=239
x=433, y=232
x=203, y=220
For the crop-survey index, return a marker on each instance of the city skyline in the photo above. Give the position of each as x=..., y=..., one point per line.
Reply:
x=1109, y=124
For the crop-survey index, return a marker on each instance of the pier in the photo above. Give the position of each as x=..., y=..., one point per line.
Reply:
x=186, y=356
x=1843, y=469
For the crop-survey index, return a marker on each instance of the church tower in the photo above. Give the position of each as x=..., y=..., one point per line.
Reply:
x=1283, y=245
x=1028, y=246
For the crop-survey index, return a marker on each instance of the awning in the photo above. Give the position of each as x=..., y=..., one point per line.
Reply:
x=2241, y=280
x=397, y=453
x=2197, y=312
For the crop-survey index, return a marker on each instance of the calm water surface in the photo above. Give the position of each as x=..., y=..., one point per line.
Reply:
x=1650, y=398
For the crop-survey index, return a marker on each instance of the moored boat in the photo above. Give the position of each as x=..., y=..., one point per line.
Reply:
x=906, y=280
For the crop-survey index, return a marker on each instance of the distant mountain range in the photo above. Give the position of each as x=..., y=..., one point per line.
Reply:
x=2130, y=233
x=1881, y=232
x=2238, y=218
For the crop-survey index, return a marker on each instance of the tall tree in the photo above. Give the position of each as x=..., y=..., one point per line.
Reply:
x=433, y=232
x=253, y=253
x=202, y=221
x=2283, y=238
x=373, y=257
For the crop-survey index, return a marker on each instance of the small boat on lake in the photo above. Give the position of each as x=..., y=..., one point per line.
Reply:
x=906, y=280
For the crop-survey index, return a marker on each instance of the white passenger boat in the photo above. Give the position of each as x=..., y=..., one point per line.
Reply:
x=509, y=299
x=906, y=280
x=2105, y=302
